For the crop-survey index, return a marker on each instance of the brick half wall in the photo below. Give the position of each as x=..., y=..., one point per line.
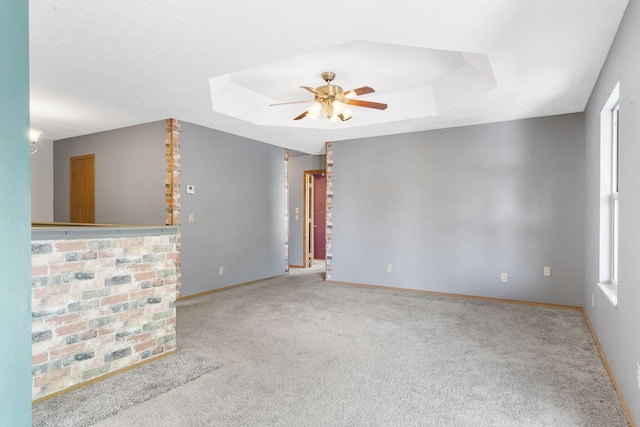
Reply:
x=100, y=305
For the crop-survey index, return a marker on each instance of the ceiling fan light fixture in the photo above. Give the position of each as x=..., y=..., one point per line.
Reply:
x=314, y=110
x=332, y=101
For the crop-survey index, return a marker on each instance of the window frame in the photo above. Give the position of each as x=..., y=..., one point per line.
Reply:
x=608, y=277
x=615, y=194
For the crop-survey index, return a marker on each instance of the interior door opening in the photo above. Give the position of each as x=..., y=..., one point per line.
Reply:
x=314, y=216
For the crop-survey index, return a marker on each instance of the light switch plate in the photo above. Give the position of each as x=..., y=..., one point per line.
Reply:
x=191, y=189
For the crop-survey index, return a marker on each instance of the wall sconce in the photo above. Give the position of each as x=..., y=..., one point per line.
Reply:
x=34, y=134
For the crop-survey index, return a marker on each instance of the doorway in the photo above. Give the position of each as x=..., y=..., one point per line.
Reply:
x=314, y=216
x=319, y=216
x=82, y=189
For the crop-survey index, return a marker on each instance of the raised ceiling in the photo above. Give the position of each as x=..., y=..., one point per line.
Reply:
x=439, y=81
x=100, y=65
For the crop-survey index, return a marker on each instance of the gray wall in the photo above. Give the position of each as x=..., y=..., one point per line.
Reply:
x=130, y=174
x=297, y=166
x=452, y=209
x=617, y=328
x=238, y=207
x=42, y=182
x=15, y=224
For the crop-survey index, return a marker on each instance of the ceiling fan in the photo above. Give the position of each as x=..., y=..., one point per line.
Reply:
x=333, y=101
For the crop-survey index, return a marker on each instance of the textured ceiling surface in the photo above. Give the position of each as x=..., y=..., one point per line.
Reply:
x=100, y=65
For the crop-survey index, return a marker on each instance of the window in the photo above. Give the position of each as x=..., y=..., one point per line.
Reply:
x=614, y=195
x=609, y=196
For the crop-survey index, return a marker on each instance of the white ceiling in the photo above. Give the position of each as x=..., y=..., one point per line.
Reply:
x=105, y=64
x=437, y=81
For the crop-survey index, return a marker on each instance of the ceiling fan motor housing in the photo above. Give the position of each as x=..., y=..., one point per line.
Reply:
x=328, y=76
x=330, y=91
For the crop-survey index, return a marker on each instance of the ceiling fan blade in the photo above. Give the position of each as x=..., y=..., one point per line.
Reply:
x=313, y=91
x=302, y=116
x=367, y=104
x=357, y=92
x=287, y=103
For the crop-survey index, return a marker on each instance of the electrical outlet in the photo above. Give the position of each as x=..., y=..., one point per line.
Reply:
x=503, y=277
x=220, y=271
x=547, y=271
x=638, y=373
x=191, y=217
x=389, y=268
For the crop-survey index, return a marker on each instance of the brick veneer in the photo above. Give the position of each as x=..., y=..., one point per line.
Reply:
x=172, y=184
x=329, y=207
x=100, y=305
x=286, y=210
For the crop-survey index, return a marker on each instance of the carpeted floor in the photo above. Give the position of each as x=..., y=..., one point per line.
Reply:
x=318, y=266
x=86, y=406
x=295, y=351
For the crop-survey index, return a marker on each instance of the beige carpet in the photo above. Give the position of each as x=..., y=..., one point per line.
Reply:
x=295, y=351
x=89, y=404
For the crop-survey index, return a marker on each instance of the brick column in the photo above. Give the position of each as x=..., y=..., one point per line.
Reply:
x=173, y=172
x=286, y=210
x=172, y=195
x=329, y=229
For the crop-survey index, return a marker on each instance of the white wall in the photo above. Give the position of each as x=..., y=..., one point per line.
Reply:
x=452, y=209
x=239, y=203
x=130, y=174
x=42, y=182
x=238, y=207
x=617, y=328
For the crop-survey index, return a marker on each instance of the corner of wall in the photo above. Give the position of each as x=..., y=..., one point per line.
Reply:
x=173, y=185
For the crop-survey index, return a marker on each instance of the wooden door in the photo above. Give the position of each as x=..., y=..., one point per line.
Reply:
x=308, y=219
x=82, y=189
